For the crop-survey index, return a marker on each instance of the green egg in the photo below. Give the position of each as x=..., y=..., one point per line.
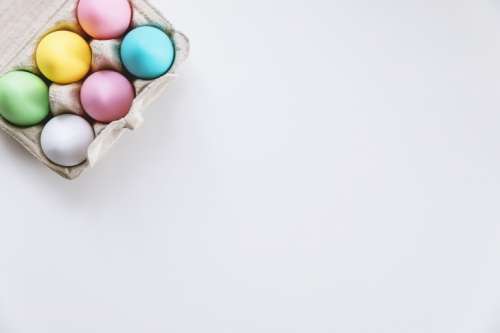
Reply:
x=24, y=98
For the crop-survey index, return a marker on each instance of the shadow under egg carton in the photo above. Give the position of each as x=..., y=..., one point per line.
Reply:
x=105, y=55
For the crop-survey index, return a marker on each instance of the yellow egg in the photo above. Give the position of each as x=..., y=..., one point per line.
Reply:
x=63, y=57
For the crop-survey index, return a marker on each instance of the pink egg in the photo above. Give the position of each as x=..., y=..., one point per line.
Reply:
x=104, y=19
x=107, y=96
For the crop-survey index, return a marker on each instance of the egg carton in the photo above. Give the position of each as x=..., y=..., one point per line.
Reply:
x=34, y=19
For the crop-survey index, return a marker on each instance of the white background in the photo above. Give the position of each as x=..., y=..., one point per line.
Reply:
x=319, y=166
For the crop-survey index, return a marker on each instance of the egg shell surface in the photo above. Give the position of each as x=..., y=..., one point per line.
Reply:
x=147, y=52
x=107, y=96
x=104, y=19
x=63, y=57
x=24, y=98
x=65, y=140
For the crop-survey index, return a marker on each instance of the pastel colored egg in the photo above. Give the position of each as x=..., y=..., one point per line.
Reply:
x=24, y=98
x=107, y=19
x=65, y=140
x=107, y=96
x=64, y=57
x=147, y=52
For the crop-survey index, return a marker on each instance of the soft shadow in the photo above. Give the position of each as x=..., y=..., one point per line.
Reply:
x=124, y=171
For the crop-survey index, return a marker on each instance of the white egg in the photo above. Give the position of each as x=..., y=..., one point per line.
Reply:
x=66, y=138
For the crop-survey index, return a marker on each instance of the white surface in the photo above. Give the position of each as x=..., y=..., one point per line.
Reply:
x=325, y=166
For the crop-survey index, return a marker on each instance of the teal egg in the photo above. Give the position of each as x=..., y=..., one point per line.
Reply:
x=147, y=52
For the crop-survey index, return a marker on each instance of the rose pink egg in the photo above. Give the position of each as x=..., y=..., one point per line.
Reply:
x=104, y=19
x=107, y=96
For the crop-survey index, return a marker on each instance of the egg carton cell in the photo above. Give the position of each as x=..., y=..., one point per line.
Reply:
x=65, y=99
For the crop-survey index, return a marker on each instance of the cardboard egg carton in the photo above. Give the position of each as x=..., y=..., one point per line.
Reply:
x=33, y=19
